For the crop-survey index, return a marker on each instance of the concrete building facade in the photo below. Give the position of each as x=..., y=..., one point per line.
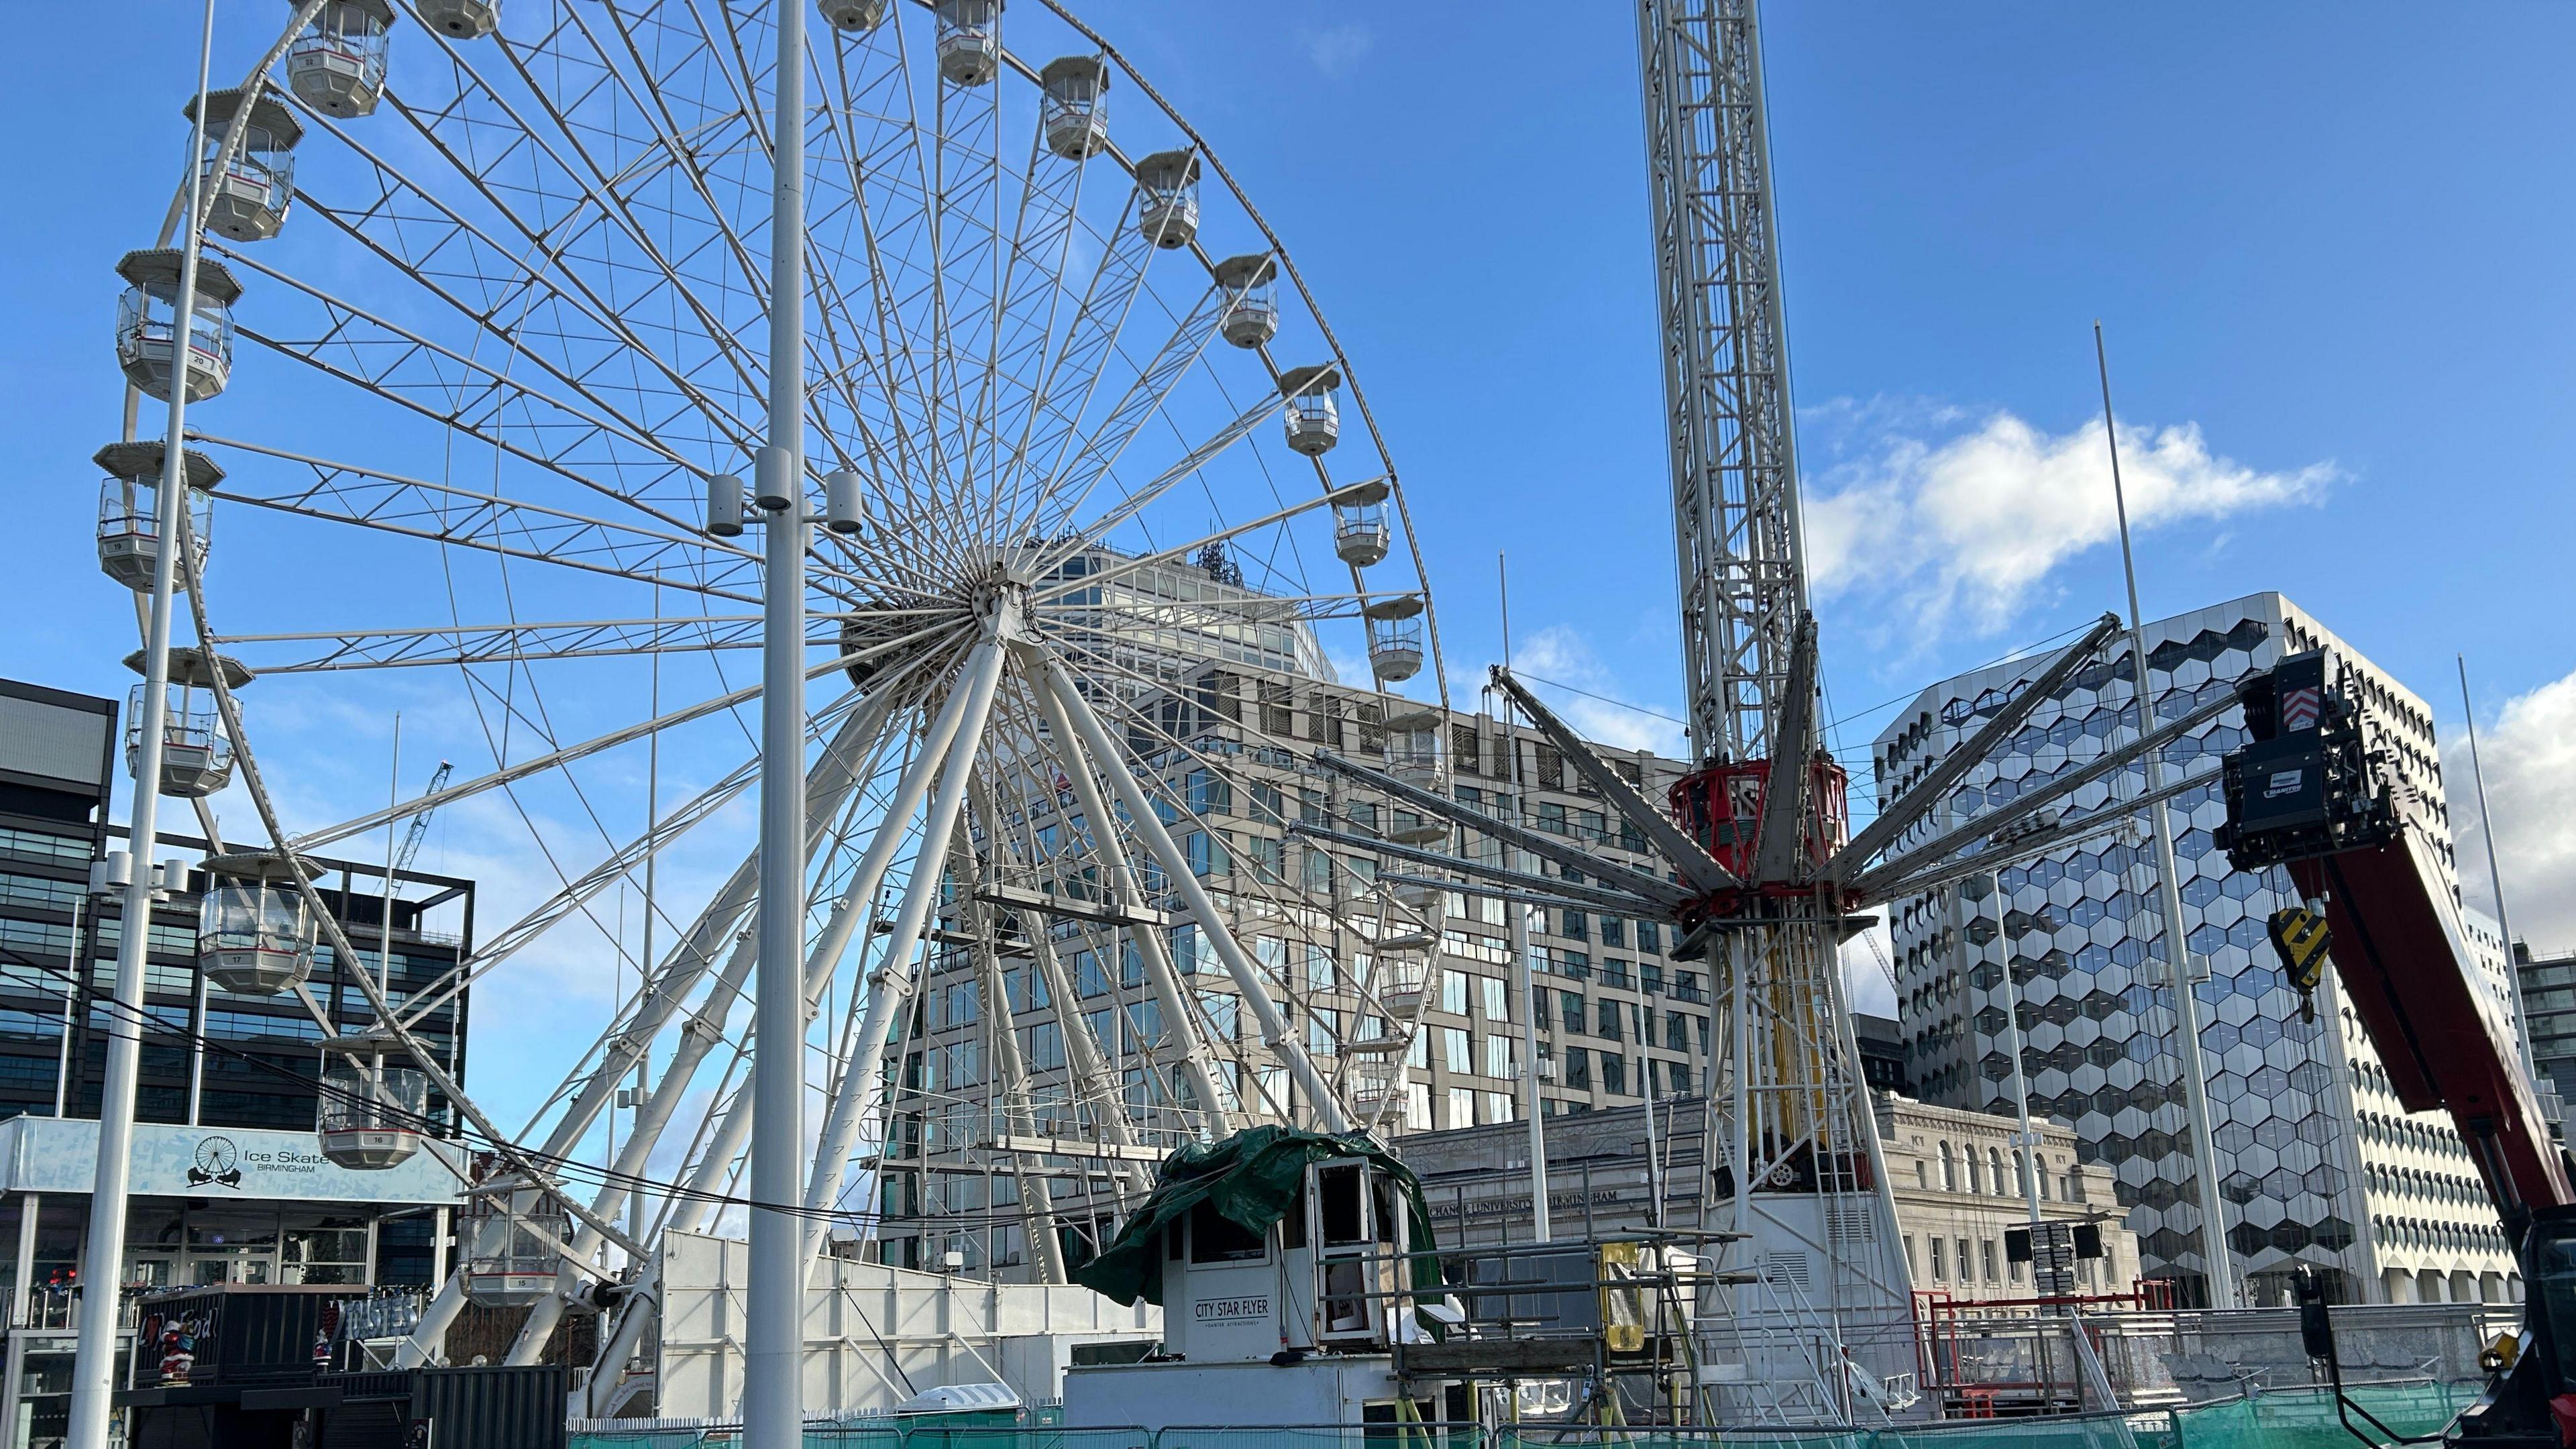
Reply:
x=1954, y=1173
x=2318, y=1164
x=1958, y=1187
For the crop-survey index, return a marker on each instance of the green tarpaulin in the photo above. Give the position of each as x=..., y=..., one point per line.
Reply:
x=1253, y=1178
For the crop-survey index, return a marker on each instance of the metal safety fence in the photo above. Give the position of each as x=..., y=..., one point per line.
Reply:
x=2279, y=1419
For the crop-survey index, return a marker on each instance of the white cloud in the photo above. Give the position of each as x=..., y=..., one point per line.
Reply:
x=1339, y=49
x=2530, y=758
x=1957, y=522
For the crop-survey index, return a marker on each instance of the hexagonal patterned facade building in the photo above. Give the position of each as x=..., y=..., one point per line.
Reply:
x=2318, y=1165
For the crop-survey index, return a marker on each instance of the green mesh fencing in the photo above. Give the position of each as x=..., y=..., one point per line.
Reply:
x=1581, y=1436
x=1322, y=1436
x=2088, y=1431
x=2285, y=1419
x=2306, y=1418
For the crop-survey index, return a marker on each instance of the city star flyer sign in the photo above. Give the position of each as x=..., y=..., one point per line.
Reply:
x=60, y=1155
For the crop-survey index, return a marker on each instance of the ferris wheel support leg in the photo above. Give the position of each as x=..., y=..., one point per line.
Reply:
x=890, y=985
x=1090, y=1071
x=1275, y=1033
x=1179, y=1011
x=1037, y=1201
x=596, y=1398
x=828, y=785
x=834, y=775
x=706, y=1027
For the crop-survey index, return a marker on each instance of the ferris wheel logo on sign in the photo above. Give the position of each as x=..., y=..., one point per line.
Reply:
x=218, y=1161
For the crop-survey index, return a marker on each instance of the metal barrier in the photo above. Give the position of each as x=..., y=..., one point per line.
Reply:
x=2284, y=1419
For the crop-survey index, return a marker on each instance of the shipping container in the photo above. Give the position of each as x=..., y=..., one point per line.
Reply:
x=493, y=1406
x=233, y=1334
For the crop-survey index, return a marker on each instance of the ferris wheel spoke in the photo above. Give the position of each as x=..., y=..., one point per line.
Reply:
x=1057, y=592
x=872, y=222
x=1075, y=539
x=537, y=283
x=574, y=895
x=351, y=493
x=693, y=957
x=537, y=321
x=312, y=840
x=1025, y=313
x=1062, y=496
x=1153, y=732
x=588, y=447
x=1053, y=415
x=966, y=274
x=317, y=651
x=707, y=1026
x=639, y=151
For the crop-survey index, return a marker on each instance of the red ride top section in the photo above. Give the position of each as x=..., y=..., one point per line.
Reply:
x=2404, y=960
x=1721, y=808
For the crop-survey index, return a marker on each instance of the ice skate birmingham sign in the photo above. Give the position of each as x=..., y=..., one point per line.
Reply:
x=54, y=1154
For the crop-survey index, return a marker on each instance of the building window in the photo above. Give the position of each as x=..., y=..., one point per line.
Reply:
x=1498, y=1055
x=1922, y=1174
x=1995, y=1172
x=1613, y=932
x=1456, y=1051
x=1577, y=927
x=1453, y=992
x=1462, y=1107
x=1949, y=1176
x=1578, y=1069
x=1976, y=1179
x=1940, y=1269
x=1614, y=1072
x=1496, y=1004
x=1913, y=1265
x=1266, y=855
x=1967, y=1268
x=1986, y=1255
x=1572, y=1001
x=1210, y=794
x=1605, y=1020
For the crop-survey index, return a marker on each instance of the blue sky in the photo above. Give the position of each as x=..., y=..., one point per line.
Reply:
x=2328, y=248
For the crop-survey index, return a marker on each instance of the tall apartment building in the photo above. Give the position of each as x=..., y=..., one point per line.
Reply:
x=1617, y=1017
x=2549, y=1019
x=2317, y=1163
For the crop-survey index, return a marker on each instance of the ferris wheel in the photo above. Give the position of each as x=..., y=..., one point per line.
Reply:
x=1111, y=555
